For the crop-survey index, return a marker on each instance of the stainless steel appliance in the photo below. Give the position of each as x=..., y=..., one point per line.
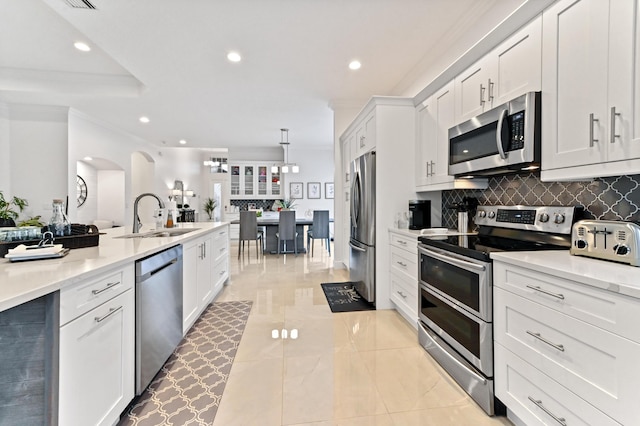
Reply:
x=158, y=312
x=505, y=139
x=420, y=214
x=362, y=242
x=608, y=240
x=456, y=288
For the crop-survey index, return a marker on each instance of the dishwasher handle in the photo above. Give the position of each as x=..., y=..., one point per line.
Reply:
x=148, y=275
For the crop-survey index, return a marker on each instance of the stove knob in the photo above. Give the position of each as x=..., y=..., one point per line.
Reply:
x=559, y=218
x=544, y=217
x=492, y=214
x=581, y=244
x=621, y=250
x=482, y=213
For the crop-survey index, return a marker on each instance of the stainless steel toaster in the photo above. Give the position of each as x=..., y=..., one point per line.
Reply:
x=607, y=239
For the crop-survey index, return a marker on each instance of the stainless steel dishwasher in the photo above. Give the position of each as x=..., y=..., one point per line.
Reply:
x=158, y=312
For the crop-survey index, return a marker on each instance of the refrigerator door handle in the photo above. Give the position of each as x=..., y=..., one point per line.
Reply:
x=355, y=200
x=356, y=247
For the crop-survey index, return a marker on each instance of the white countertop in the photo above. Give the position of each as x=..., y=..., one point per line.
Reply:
x=611, y=276
x=412, y=233
x=415, y=233
x=24, y=281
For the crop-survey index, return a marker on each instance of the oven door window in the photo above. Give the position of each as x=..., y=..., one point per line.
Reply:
x=457, y=325
x=459, y=284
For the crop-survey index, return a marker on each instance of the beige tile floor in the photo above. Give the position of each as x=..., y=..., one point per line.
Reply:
x=346, y=369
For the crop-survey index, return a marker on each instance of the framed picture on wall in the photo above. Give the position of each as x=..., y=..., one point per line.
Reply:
x=313, y=190
x=328, y=190
x=296, y=190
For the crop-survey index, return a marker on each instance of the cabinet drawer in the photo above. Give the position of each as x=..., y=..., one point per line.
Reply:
x=604, y=309
x=404, y=262
x=595, y=364
x=80, y=298
x=220, y=270
x=404, y=293
x=403, y=242
x=536, y=399
x=220, y=244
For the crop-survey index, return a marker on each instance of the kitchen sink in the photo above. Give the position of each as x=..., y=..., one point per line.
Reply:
x=160, y=234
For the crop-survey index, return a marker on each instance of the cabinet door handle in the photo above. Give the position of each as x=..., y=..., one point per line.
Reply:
x=614, y=114
x=427, y=166
x=404, y=265
x=491, y=84
x=404, y=243
x=107, y=287
x=538, y=402
x=404, y=296
x=362, y=138
x=541, y=290
x=432, y=168
x=548, y=342
x=482, y=88
x=108, y=314
x=592, y=121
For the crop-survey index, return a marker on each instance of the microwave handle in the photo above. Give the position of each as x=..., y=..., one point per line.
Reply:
x=502, y=133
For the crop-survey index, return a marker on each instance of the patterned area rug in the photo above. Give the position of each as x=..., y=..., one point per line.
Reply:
x=343, y=297
x=188, y=389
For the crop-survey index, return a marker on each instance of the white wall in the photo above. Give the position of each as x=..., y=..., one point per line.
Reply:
x=88, y=212
x=39, y=168
x=111, y=185
x=316, y=165
x=5, y=151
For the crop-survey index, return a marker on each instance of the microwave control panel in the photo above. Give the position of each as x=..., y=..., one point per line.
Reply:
x=517, y=131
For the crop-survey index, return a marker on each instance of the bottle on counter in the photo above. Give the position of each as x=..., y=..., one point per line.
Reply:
x=170, y=219
x=59, y=224
x=159, y=219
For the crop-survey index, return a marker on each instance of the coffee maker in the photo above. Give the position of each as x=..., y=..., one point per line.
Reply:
x=419, y=214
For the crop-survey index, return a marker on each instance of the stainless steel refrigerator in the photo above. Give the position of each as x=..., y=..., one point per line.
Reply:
x=362, y=242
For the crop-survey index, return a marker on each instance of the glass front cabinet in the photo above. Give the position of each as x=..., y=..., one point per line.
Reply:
x=255, y=181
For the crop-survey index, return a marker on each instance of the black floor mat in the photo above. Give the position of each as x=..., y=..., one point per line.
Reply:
x=343, y=297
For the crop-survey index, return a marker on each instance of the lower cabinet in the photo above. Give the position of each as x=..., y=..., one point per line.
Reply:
x=564, y=352
x=220, y=253
x=403, y=275
x=97, y=349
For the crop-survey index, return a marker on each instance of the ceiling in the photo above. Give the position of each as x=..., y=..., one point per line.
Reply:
x=166, y=59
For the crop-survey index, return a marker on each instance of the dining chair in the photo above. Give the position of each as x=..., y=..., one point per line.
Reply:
x=287, y=230
x=249, y=231
x=319, y=229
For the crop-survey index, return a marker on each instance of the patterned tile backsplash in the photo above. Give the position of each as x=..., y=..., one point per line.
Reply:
x=612, y=198
x=260, y=204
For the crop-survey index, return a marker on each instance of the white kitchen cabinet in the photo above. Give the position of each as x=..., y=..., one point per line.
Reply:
x=564, y=346
x=97, y=349
x=220, y=255
x=254, y=180
x=365, y=136
x=434, y=117
x=590, y=70
x=510, y=70
x=403, y=275
x=197, y=280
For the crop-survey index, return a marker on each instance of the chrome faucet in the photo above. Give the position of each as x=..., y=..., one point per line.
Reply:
x=136, y=219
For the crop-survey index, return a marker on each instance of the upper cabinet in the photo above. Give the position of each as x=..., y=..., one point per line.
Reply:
x=511, y=69
x=364, y=136
x=434, y=117
x=254, y=181
x=590, y=71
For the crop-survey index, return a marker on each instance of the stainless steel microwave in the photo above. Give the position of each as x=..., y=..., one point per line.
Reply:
x=503, y=140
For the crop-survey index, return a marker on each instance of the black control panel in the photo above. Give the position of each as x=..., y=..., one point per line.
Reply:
x=526, y=217
x=516, y=140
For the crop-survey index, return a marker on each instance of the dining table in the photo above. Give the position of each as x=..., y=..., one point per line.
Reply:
x=269, y=223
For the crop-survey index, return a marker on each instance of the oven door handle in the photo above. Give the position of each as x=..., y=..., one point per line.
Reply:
x=454, y=359
x=452, y=260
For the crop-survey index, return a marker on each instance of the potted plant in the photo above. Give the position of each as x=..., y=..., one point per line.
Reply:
x=209, y=207
x=287, y=204
x=8, y=212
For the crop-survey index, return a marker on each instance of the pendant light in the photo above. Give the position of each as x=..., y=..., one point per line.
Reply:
x=286, y=167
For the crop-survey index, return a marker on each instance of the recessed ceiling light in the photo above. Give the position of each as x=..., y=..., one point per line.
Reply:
x=82, y=46
x=144, y=119
x=355, y=65
x=182, y=142
x=88, y=158
x=234, y=57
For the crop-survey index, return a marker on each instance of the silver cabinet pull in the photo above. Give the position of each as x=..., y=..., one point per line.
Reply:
x=404, y=265
x=548, y=342
x=107, y=287
x=491, y=84
x=427, y=167
x=541, y=290
x=404, y=296
x=108, y=314
x=432, y=168
x=592, y=121
x=362, y=138
x=538, y=402
x=614, y=114
x=404, y=243
x=482, y=95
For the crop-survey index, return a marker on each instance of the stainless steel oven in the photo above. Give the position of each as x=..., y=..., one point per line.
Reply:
x=456, y=288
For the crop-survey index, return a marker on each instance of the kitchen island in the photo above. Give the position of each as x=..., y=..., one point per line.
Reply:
x=44, y=303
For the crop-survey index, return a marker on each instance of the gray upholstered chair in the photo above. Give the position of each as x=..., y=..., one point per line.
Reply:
x=249, y=230
x=319, y=229
x=287, y=230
